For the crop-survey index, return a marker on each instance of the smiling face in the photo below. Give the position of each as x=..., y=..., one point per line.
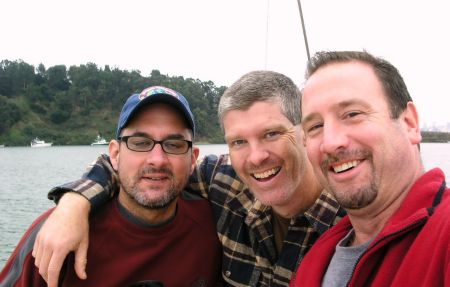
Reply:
x=267, y=153
x=357, y=150
x=153, y=179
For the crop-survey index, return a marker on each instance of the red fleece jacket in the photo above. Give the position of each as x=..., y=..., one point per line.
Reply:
x=413, y=249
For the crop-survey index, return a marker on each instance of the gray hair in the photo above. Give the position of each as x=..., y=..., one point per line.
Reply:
x=393, y=84
x=261, y=86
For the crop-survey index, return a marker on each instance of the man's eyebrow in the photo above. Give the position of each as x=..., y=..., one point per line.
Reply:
x=338, y=106
x=139, y=134
x=232, y=137
x=351, y=102
x=175, y=137
x=275, y=127
x=169, y=136
x=309, y=118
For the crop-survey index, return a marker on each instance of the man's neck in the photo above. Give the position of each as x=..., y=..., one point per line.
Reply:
x=370, y=220
x=147, y=215
x=302, y=200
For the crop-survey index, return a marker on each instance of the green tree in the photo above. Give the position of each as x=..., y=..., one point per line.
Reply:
x=9, y=113
x=72, y=106
x=57, y=78
x=15, y=76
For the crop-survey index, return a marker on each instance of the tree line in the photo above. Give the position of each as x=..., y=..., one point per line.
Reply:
x=435, y=137
x=70, y=106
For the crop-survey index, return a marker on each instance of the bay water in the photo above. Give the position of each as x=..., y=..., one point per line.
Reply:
x=27, y=174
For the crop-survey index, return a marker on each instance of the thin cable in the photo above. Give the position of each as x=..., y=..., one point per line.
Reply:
x=304, y=29
x=267, y=35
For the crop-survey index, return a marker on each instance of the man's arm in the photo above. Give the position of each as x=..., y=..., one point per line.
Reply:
x=98, y=184
x=203, y=174
x=67, y=228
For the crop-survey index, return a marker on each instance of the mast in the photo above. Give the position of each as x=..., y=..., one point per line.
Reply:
x=303, y=28
x=267, y=35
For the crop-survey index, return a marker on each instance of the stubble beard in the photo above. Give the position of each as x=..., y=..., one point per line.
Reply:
x=357, y=198
x=151, y=203
x=353, y=197
x=130, y=187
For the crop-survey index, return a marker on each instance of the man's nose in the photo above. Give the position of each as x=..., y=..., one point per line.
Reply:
x=157, y=156
x=334, y=138
x=258, y=153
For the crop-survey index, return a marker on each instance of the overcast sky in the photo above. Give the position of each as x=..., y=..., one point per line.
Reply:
x=221, y=40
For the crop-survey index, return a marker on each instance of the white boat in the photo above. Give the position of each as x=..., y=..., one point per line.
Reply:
x=39, y=143
x=100, y=141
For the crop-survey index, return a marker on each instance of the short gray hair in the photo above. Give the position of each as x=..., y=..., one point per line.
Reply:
x=258, y=86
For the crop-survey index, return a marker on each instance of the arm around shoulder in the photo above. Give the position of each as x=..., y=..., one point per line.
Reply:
x=65, y=230
x=98, y=184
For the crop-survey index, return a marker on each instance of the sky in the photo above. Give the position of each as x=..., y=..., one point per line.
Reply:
x=220, y=40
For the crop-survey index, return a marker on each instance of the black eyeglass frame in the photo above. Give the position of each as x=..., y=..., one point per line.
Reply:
x=161, y=143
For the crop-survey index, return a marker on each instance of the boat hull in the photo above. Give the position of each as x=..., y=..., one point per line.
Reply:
x=42, y=145
x=105, y=143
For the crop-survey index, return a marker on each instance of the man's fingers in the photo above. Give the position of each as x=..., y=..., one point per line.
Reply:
x=54, y=268
x=81, y=259
x=45, y=256
x=37, y=254
x=64, y=231
x=35, y=247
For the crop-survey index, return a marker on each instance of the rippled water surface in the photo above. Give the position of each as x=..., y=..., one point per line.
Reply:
x=26, y=175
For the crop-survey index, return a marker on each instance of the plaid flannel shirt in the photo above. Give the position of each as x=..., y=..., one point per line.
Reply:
x=244, y=224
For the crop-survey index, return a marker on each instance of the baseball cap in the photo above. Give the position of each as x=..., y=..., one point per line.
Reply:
x=151, y=95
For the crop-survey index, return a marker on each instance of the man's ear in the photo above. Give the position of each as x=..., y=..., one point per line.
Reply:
x=195, y=153
x=410, y=117
x=114, y=148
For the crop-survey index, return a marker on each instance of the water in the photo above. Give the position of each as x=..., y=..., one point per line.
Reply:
x=27, y=174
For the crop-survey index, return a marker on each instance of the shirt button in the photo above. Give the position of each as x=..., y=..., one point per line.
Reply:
x=228, y=273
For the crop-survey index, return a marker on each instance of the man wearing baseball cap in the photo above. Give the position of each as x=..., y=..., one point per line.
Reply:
x=152, y=228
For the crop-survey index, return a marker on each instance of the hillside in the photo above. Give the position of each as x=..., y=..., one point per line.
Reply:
x=70, y=106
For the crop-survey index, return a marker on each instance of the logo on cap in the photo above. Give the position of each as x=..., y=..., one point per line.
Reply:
x=157, y=90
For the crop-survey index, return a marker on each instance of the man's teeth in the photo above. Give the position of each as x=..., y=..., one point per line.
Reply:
x=154, y=178
x=266, y=174
x=345, y=166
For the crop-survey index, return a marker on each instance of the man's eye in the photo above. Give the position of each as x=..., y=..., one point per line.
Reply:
x=314, y=127
x=352, y=114
x=173, y=144
x=272, y=135
x=237, y=143
x=141, y=143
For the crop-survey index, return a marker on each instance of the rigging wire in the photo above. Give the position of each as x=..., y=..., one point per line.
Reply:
x=267, y=35
x=303, y=28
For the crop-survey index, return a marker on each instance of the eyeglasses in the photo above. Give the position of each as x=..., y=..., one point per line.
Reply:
x=144, y=144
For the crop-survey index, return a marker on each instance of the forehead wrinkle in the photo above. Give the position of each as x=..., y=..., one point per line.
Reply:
x=351, y=102
x=274, y=127
x=336, y=107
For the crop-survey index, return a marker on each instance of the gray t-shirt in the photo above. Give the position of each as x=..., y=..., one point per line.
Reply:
x=343, y=262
